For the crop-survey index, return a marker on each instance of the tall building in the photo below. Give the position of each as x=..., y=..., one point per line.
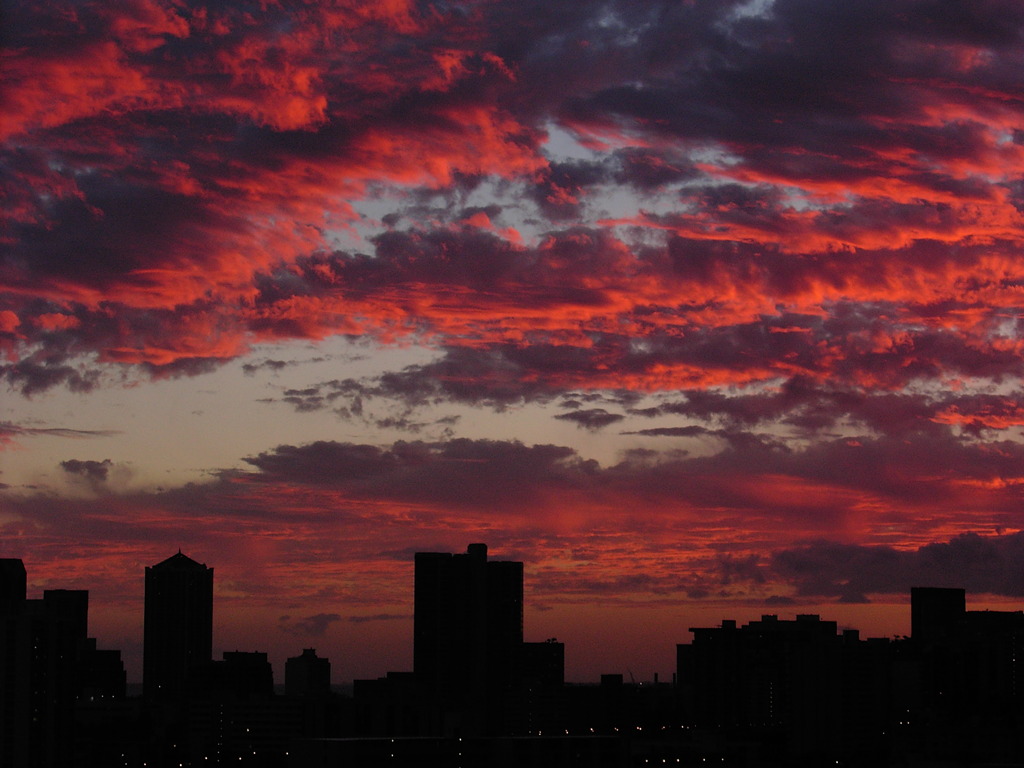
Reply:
x=467, y=638
x=936, y=614
x=47, y=665
x=39, y=648
x=307, y=680
x=15, y=666
x=13, y=585
x=178, y=631
x=307, y=675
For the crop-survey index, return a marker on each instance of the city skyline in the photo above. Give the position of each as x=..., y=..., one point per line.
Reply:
x=181, y=588
x=695, y=308
x=766, y=692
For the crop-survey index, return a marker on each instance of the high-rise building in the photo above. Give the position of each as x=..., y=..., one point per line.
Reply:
x=307, y=681
x=15, y=666
x=307, y=675
x=936, y=613
x=467, y=638
x=13, y=585
x=178, y=631
x=39, y=644
x=47, y=665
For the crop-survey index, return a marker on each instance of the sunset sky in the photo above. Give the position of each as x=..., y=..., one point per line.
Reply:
x=702, y=309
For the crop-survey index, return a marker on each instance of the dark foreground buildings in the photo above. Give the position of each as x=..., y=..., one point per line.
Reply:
x=776, y=692
x=771, y=692
x=51, y=675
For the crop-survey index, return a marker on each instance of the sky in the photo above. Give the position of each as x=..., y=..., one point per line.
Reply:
x=701, y=309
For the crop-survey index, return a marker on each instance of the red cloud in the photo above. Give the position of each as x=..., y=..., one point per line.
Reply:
x=195, y=159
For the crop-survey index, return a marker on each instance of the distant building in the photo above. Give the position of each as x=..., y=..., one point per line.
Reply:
x=467, y=639
x=234, y=717
x=780, y=682
x=543, y=664
x=542, y=669
x=178, y=630
x=386, y=706
x=307, y=679
x=307, y=675
x=238, y=675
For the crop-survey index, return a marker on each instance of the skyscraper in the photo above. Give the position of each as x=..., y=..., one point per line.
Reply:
x=47, y=661
x=936, y=613
x=178, y=632
x=13, y=584
x=307, y=675
x=16, y=719
x=467, y=637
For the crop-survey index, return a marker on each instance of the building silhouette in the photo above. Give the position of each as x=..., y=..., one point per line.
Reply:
x=771, y=692
x=178, y=626
x=307, y=680
x=936, y=613
x=968, y=701
x=13, y=585
x=48, y=668
x=16, y=695
x=467, y=642
x=773, y=681
x=307, y=675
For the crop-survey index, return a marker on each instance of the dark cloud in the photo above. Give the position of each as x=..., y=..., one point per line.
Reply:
x=649, y=170
x=94, y=471
x=413, y=426
x=561, y=188
x=272, y=365
x=821, y=485
x=378, y=617
x=980, y=564
x=308, y=626
x=812, y=408
x=693, y=431
x=10, y=431
x=591, y=418
x=461, y=473
x=31, y=377
x=304, y=400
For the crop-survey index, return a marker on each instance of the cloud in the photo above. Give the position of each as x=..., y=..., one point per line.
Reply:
x=93, y=471
x=744, y=519
x=980, y=564
x=31, y=378
x=591, y=418
x=858, y=225
x=378, y=617
x=458, y=474
x=309, y=626
x=670, y=431
x=272, y=365
x=10, y=432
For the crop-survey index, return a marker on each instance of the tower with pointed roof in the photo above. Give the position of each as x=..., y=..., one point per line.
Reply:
x=178, y=631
